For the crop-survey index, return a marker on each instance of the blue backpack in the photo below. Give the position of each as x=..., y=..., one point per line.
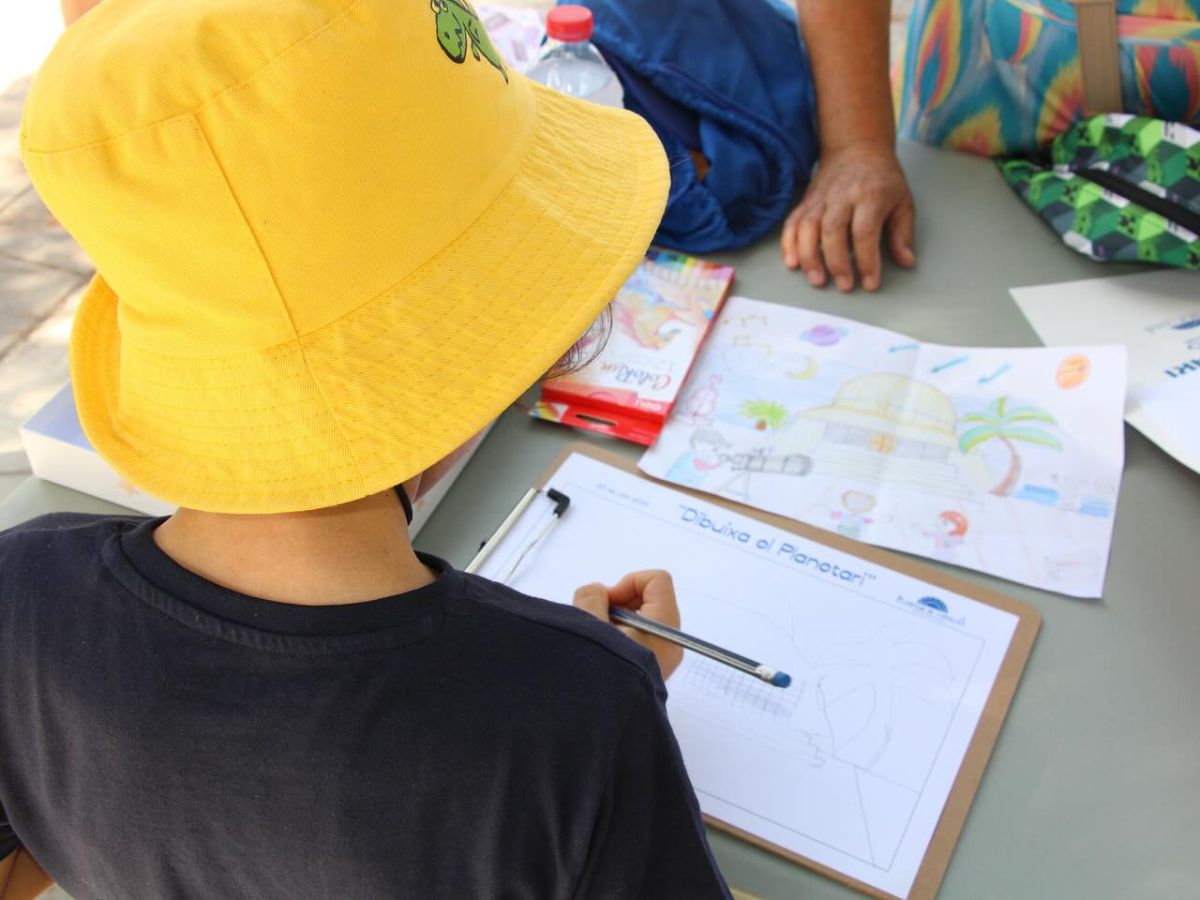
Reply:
x=727, y=86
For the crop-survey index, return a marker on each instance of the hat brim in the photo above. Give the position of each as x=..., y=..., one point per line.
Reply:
x=382, y=393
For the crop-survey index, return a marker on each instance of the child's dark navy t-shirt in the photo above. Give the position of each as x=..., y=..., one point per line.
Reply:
x=162, y=737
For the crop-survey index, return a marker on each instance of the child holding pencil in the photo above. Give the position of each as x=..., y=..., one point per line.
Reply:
x=334, y=239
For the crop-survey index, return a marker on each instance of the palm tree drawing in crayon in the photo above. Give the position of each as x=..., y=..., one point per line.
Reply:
x=765, y=414
x=1006, y=424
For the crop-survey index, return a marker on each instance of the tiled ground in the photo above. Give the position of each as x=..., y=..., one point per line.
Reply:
x=41, y=269
x=41, y=274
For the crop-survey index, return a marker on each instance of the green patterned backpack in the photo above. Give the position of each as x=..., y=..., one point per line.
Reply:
x=1119, y=187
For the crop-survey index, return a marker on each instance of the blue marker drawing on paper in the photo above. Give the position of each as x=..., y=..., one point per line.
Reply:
x=1100, y=507
x=1047, y=496
x=949, y=364
x=984, y=379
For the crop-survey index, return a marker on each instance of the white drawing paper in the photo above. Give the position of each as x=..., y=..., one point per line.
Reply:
x=1003, y=460
x=1155, y=315
x=851, y=765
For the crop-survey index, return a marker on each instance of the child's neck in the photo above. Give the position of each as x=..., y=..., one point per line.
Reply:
x=345, y=554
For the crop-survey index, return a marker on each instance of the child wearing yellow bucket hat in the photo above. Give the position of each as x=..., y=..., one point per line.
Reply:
x=334, y=239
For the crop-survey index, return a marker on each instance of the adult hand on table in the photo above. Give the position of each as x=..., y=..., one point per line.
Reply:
x=651, y=593
x=858, y=199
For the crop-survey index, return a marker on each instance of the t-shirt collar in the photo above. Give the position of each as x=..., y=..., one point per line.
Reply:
x=149, y=562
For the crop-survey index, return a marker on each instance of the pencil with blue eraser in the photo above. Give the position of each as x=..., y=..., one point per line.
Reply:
x=771, y=676
x=616, y=614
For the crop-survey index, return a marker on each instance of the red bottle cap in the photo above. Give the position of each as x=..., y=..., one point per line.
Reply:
x=569, y=23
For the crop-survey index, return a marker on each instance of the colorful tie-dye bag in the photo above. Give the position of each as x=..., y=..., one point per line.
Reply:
x=1002, y=77
x=1119, y=187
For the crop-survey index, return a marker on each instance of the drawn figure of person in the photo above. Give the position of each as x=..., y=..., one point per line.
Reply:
x=699, y=405
x=948, y=535
x=706, y=452
x=853, y=515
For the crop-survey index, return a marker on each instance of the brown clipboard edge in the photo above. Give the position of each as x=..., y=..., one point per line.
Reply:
x=987, y=731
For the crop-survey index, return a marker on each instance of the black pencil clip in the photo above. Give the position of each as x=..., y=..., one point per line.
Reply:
x=561, y=501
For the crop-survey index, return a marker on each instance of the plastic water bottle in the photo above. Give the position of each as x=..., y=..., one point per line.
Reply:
x=570, y=64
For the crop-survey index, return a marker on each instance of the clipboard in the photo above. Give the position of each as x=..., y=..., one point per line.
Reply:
x=958, y=802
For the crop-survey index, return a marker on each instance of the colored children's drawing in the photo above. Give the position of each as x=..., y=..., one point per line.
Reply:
x=948, y=535
x=765, y=414
x=823, y=335
x=1002, y=460
x=706, y=452
x=700, y=404
x=852, y=517
x=1005, y=424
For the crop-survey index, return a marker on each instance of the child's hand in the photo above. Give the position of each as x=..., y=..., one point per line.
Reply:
x=651, y=593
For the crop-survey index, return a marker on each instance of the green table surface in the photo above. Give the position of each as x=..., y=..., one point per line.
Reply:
x=1093, y=790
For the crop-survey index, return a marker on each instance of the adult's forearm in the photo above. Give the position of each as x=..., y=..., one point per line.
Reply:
x=848, y=42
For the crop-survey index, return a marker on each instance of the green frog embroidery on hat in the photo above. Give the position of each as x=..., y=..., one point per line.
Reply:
x=458, y=27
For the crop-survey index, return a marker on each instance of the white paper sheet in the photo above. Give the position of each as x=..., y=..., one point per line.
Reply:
x=1157, y=317
x=852, y=764
x=1003, y=460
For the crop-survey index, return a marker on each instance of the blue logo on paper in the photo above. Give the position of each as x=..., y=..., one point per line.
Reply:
x=933, y=603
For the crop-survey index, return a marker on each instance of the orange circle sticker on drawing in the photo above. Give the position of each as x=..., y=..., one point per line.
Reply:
x=1073, y=371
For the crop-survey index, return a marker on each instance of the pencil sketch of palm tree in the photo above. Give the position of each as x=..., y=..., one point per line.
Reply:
x=859, y=682
x=765, y=413
x=1006, y=424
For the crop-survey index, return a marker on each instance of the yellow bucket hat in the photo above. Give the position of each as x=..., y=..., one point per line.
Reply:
x=334, y=238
